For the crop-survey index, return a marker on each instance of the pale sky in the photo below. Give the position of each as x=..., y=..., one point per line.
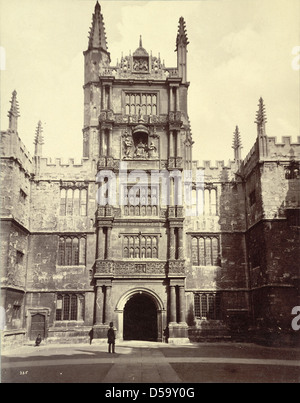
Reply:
x=239, y=50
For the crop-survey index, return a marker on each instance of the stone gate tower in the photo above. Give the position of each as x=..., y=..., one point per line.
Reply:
x=136, y=119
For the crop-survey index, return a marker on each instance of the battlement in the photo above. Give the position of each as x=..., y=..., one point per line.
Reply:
x=285, y=140
x=66, y=168
x=207, y=164
x=286, y=149
x=217, y=171
x=62, y=162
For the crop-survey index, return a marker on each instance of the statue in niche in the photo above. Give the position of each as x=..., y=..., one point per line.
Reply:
x=152, y=150
x=128, y=145
x=140, y=151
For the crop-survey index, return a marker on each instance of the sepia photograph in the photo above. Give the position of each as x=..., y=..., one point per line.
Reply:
x=150, y=194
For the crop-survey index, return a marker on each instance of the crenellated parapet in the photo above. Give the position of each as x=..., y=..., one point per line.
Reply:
x=60, y=168
x=218, y=171
x=286, y=149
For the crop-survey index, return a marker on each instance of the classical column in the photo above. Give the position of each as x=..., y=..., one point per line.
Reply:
x=171, y=99
x=108, y=243
x=100, y=246
x=178, y=142
x=109, y=142
x=108, y=315
x=177, y=99
x=171, y=144
x=109, y=97
x=171, y=191
x=172, y=243
x=172, y=304
x=180, y=243
x=181, y=304
x=102, y=97
x=102, y=142
x=99, y=305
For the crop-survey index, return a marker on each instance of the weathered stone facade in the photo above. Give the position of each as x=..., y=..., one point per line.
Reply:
x=72, y=263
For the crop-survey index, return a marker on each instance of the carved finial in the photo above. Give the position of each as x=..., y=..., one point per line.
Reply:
x=261, y=120
x=13, y=113
x=236, y=139
x=182, y=39
x=38, y=140
x=140, y=116
x=237, y=144
x=14, y=108
x=261, y=113
x=97, y=35
x=141, y=45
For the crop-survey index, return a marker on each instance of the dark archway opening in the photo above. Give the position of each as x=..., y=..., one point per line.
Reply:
x=140, y=319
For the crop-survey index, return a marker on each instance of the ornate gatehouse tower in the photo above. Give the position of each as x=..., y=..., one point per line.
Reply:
x=136, y=119
x=138, y=233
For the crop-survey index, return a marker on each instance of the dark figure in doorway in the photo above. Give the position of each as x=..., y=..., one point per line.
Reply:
x=111, y=338
x=38, y=340
x=166, y=334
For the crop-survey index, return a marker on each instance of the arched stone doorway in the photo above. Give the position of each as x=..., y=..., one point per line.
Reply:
x=132, y=310
x=140, y=318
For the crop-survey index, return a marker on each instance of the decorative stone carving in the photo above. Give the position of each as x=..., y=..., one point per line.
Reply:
x=154, y=133
x=128, y=146
x=104, y=267
x=101, y=163
x=179, y=162
x=171, y=162
x=176, y=267
x=105, y=211
x=110, y=162
x=179, y=211
x=140, y=267
x=139, y=145
x=140, y=64
x=163, y=212
x=156, y=65
x=73, y=185
x=171, y=212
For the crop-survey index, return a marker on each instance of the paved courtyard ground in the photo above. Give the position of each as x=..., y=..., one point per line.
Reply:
x=151, y=363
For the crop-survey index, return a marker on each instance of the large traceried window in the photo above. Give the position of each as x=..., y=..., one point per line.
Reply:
x=140, y=200
x=73, y=202
x=204, y=201
x=140, y=103
x=69, y=306
x=207, y=305
x=71, y=251
x=205, y=250
x=207, y=201
x=140, y=246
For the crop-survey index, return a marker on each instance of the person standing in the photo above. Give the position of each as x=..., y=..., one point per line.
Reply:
x=111, y=337
x=38, y=340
